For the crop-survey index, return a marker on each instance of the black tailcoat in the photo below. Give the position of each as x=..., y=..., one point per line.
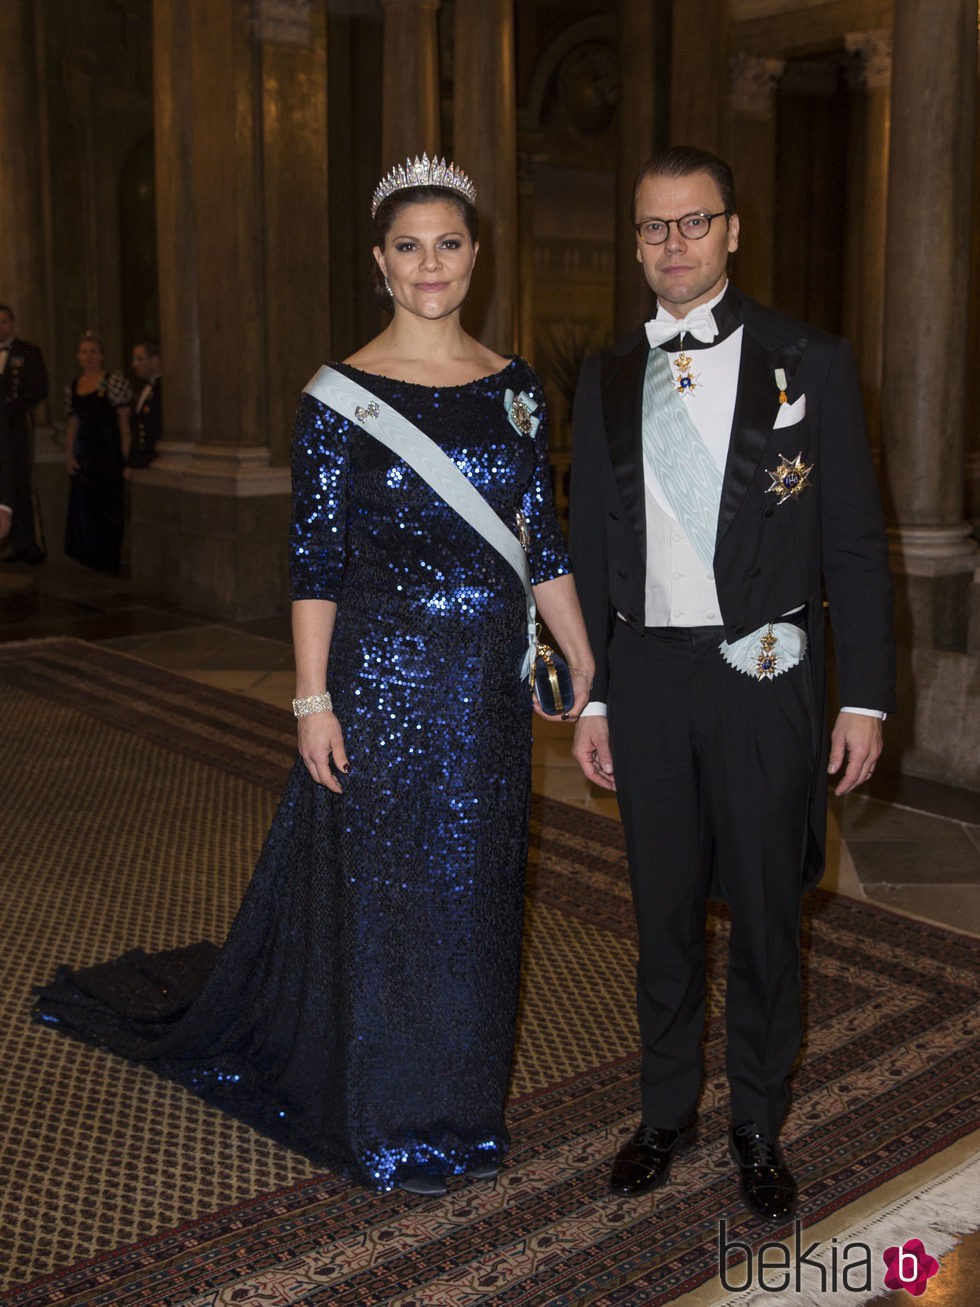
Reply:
x=147, y=427
x=23, y=385
x=770, y=556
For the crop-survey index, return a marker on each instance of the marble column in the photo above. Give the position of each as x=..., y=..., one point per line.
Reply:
x=753, y=82
x=485, y=145
x=644, y=105
x=240, y=112
x=973, y=344
x=410, y=109
x=926, y=286
x=173, y=130
x=699, y=80
x=22, y=262
x=865, y=253
x=524, y=342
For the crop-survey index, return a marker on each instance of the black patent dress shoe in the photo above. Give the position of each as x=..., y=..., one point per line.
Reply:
x=644, y=1163
x=767, y=1183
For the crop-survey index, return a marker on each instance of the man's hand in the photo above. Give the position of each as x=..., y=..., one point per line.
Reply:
x=859, y=739
x=590, y=749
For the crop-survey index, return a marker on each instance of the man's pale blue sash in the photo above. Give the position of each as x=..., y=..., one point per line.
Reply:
x=679, y=459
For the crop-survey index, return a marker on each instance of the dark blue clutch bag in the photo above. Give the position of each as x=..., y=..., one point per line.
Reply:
x=552, y=682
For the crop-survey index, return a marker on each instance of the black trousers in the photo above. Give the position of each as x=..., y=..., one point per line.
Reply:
x=17, y=436
x=713, y=770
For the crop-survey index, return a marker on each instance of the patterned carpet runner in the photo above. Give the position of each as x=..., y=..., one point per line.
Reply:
x=134, y=803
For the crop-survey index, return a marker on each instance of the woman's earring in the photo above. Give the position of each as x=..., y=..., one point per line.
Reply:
x=388, y=287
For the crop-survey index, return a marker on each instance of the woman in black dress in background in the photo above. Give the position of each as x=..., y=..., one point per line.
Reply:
x=97, y=446
x=363, y=1007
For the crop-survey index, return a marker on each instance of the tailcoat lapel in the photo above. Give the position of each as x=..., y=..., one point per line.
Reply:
x=622, y=411
x=756, y=407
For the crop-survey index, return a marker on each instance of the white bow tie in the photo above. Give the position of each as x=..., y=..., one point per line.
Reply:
x=700, y=322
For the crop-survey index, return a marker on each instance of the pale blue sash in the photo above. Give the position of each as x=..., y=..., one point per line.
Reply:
x=679, y=459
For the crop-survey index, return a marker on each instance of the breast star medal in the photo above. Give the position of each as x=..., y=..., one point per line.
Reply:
x=687, y=383
x=789, y=479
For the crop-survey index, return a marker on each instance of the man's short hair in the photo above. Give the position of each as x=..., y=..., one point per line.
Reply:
x=152, y=347
x=5, y=308
x=683, y=161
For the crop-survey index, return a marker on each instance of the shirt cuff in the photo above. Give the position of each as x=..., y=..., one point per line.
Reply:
x=868, y=712
x=593, y=709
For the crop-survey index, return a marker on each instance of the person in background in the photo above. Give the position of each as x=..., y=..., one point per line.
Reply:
x=147, y=418
x=23, y=385
x=97, y=441
x=6, y=493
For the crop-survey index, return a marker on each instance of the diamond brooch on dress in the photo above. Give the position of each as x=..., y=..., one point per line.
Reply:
x=520, y=412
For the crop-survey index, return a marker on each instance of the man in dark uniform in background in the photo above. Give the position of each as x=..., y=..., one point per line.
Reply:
x=147, y=420
x=23, y=385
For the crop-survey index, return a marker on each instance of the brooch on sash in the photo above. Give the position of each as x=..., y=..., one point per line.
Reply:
x=687, y=383
x=373, y=410
x=523, y=534
x=789, y=478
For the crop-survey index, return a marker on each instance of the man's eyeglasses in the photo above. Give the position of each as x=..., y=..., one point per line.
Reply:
x=692, y=226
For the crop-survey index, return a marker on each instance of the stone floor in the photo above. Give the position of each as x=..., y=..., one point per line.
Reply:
x=910, y=845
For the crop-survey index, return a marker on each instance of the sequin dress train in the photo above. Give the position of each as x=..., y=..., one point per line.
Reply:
x=362, y=1008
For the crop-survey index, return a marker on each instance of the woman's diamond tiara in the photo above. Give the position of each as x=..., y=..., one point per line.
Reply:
x=423, y=172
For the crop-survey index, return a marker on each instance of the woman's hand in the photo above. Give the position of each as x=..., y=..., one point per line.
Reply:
x=581, y=684
x=321, y=741
x=559, y=608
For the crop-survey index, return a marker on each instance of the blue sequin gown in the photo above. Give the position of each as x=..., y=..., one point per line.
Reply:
x=362, y=1009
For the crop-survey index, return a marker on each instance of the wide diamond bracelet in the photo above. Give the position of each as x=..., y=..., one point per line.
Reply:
x=315, y=703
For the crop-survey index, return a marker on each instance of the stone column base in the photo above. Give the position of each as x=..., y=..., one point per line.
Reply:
x=936, y=730
x=209, y=528
x=932, y=550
